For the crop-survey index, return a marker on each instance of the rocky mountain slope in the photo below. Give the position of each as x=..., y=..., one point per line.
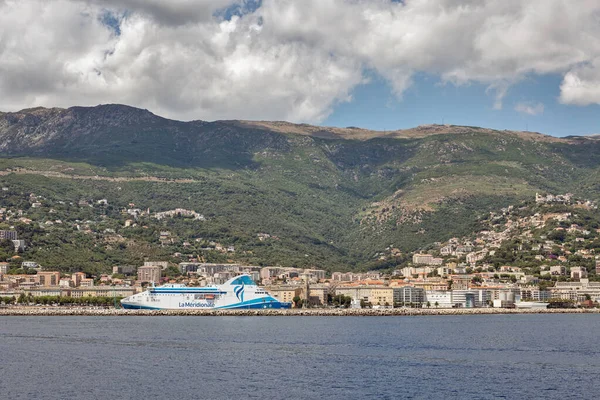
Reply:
x=334, y=197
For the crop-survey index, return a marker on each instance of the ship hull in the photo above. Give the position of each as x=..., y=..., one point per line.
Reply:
x=273, y=306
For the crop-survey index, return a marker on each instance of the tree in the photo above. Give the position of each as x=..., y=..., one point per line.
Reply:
x=428, y=304
x=172, y=272
x=436, y=304
x=296, y=301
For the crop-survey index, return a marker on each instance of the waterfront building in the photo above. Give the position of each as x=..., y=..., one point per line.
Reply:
x=284, y=293
x=576, y=291
x=99, y=291
x=381, y=296
x=443, y=298
x=357, y=293
x=534, y=293
x=43, y=291
x=409, y=294
x=505, y=298
x=317, y=294
x=468, y=298
x=471, y=298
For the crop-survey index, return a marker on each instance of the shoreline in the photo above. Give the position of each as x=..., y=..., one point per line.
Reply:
x=314, y=312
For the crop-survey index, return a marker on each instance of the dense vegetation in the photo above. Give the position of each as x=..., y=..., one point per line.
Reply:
x=331, y=203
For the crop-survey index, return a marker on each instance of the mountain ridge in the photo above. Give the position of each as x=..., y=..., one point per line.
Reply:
x=326, y=132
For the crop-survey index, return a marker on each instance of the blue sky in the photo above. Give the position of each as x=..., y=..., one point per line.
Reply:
x=429, y=101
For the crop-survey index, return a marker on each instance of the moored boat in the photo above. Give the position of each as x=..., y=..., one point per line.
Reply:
x=240, y=292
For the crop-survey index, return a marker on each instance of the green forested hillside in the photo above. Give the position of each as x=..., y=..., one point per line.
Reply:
x=325, y=199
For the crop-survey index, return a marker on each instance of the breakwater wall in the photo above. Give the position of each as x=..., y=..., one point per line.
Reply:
x=313, y=312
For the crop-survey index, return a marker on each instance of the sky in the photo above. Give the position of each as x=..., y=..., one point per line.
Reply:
x=378, y=64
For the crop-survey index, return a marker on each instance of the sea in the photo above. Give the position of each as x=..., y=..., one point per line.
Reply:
x=427, y=357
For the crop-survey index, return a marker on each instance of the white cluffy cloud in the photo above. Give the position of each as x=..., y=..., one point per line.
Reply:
x=285, y=59
x=530, y=108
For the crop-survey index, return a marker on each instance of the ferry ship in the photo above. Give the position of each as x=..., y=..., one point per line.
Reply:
x=240, y=292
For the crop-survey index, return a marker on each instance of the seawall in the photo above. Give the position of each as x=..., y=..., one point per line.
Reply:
x=320, y=312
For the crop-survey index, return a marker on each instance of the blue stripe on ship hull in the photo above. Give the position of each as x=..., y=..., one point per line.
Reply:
x=257, y=303
x=136, y=307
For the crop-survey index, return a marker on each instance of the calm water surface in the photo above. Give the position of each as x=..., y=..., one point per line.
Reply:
x=437, y=357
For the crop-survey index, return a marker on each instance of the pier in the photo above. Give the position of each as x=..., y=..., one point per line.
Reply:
x=323, y=312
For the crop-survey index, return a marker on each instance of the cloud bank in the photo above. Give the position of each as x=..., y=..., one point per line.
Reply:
x=285, y=59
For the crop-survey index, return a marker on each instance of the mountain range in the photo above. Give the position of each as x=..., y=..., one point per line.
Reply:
x=335, y=198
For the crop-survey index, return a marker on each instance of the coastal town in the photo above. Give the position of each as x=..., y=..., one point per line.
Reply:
x=313, y=288
x=518, y=259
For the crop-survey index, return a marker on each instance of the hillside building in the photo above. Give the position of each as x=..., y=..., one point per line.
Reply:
x=47, y=278
x=578, y=273
x=123, y=269
x=162, y=264
x=149, y=273
x=426, y=259
x=77, y=277
x=8, y=235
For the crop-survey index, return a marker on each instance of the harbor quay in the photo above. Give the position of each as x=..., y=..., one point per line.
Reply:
x=321, y=312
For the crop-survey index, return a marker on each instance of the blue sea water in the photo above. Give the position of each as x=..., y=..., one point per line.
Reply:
x=435, y=357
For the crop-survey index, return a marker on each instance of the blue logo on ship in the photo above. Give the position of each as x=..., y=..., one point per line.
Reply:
x=239, y=292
